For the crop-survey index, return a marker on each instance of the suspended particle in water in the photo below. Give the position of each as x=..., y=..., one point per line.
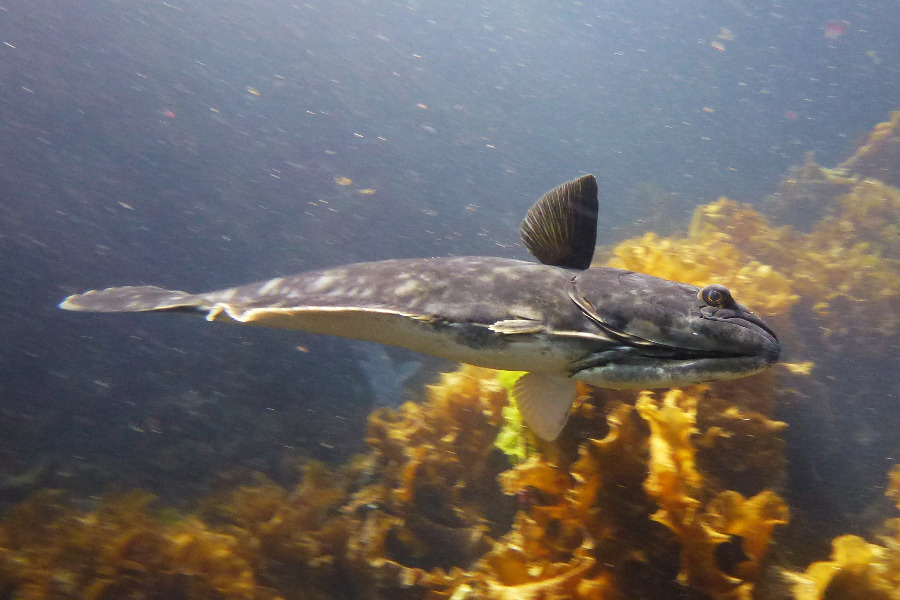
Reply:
x=835, y=29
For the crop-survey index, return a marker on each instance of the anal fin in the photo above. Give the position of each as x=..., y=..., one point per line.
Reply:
x=545, y=401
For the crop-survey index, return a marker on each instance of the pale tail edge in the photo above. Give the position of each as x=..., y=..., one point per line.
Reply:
x=143, y=298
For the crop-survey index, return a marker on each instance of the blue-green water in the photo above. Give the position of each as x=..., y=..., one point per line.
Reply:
x=197, y=145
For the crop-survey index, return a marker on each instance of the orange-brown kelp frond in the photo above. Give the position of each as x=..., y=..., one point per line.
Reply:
x=51, y=550
x=858, y=569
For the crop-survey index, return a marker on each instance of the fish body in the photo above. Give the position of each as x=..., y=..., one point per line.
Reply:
x=458, y=308
x=559, y=319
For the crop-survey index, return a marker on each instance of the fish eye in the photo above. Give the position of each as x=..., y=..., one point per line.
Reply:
x=715, y=295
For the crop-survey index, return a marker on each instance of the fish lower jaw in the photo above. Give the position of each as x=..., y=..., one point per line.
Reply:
x=649, y=374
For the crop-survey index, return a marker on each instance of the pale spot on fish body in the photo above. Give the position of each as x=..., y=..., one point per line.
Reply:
x=323, y=283
x=406, y=288
x=270, y=285
x=433, y=308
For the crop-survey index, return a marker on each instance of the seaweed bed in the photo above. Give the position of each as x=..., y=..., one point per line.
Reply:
x=675, y=494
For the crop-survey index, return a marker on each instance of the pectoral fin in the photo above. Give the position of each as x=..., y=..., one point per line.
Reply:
x=544, y=401
x=517, y=326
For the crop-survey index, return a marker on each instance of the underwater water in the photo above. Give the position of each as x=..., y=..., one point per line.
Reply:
x=198, y=145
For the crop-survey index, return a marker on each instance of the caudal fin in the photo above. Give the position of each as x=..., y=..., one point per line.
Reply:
x=140, y=298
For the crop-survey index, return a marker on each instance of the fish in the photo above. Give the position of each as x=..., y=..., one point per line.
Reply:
x=560, y=319
x=384, y=376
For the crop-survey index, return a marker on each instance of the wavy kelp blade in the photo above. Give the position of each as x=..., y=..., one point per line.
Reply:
x=508, y=380
x=561, y=228
x=511, y=438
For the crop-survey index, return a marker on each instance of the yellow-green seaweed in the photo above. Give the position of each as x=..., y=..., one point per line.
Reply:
x=511, y=440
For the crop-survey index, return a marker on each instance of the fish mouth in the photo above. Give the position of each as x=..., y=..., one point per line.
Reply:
x=768, y=354
x=759, y=342
x=668, y=367
x=659, y=354
x=753, y=341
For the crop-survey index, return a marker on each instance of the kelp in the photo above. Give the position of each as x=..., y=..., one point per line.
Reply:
x=512, y=439
x=858, y=569
x=433, y=511
x=51, y=550
x=878, y=157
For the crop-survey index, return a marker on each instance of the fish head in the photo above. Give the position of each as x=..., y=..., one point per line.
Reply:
x=667, y=334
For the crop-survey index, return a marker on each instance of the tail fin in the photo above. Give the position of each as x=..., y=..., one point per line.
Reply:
x=141, y=298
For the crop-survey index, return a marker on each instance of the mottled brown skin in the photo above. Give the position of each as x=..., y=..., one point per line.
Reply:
x=494, y=312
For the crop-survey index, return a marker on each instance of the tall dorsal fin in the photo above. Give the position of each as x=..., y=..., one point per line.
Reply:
x=561, y=228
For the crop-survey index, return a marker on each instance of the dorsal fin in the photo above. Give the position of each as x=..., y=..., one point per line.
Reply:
x=561, y=228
